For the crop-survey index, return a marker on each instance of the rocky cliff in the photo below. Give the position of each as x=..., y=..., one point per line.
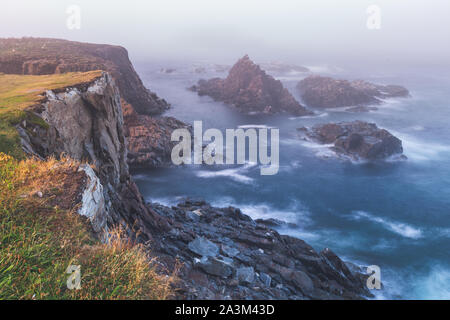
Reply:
x=85, y=122
x=224, y=253
x=38, y=56
x=326, y=92
x=250, y=89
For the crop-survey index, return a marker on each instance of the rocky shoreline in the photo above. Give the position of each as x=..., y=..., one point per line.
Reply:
x=227, y=255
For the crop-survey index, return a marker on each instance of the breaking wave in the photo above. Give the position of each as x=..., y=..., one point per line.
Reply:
x=400, y=228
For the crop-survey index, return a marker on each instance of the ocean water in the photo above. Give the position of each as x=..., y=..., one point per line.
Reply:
x=394, y=214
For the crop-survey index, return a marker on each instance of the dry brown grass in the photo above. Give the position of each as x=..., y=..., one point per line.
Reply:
x=40, y=237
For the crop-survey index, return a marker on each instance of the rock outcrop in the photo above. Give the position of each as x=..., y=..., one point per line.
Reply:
x=250, y=89
x=39, y=56
x=85, y=122
x=326, y=92
x=149, y=138
x=356, y=140
x=227, y=255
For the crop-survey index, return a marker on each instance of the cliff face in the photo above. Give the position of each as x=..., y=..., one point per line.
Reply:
x=224, y=252
x=38, y=56
x=86, y=123
x=250, y=89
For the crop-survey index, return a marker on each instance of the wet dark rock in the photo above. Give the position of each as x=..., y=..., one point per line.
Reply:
x=203, y=247
x=245, y=275
x=226, y=255
x=356, y=140
x=326, y=92
x=215, y=267
x=149, y=138
x=250, y=90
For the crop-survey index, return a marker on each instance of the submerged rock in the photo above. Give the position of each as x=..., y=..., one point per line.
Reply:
x=250, y=89
x=357, y=139
x=326, y=92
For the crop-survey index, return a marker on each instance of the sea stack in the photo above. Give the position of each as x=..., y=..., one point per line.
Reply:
x=356, y=140
x=251, y=90
x=326, y=92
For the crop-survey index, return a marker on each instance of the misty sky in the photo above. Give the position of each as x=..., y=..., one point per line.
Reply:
x=412, y=31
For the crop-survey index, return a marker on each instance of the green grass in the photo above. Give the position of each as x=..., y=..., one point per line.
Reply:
x=39, y=240
x=19, y=92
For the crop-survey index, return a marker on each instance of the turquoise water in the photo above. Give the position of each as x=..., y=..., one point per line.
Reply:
x=392, y=214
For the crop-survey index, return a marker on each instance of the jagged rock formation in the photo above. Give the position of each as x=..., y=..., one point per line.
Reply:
x=356, y=140
x=149, y=139
x=85, y=122
x=226, y=254
x=38, y=56
x=326, y=92
x=250, y=89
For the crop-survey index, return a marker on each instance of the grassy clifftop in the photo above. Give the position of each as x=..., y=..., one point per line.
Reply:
x=41, y=233
x=38, y=56
x=18, y=92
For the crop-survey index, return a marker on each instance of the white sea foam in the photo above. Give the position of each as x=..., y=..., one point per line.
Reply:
x=435, y=285
x=236, y=174
x=419, y=150
x=400, y=228
x=294, y=213
x=320, y=115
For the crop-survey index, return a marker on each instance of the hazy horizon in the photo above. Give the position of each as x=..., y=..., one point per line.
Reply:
x=412, y=32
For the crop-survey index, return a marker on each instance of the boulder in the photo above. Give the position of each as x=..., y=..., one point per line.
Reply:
x=357, y=140
x=203, y=247
x=215, y=267
x=245, y=274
